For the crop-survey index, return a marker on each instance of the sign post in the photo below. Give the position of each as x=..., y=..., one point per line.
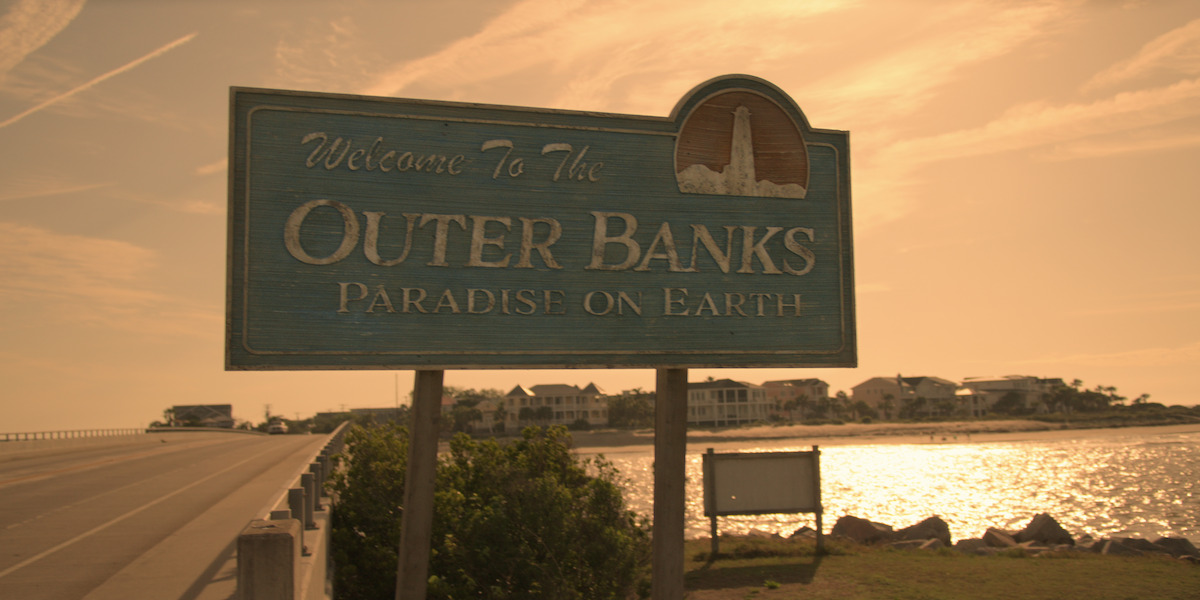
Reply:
x=416, y=523
x=386, y=233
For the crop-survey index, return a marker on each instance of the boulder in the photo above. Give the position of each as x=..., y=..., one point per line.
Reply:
x=1114, y=547
x=933, y=528
x=970, y=546
x=998, y=538
x=805, y=532
x=862, y=531
x=1178, y=546
x=1044, y=530
x=1142, y=546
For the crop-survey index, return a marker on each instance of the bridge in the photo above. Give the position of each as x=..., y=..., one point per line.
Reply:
x=144, y=515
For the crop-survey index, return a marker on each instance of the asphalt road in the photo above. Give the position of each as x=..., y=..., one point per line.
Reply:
x=152, y=516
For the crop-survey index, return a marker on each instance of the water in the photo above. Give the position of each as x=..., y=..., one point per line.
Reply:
x=1110, y=483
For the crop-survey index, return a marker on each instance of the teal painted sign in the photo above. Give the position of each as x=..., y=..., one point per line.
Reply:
x=393, y=233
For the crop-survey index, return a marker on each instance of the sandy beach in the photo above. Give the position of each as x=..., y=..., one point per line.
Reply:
x=873, y=433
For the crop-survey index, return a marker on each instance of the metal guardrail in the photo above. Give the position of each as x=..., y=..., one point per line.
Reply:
x=69, y=434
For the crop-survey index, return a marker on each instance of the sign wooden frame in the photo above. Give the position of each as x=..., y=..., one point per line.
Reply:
x=790, y=483
x=381, y=233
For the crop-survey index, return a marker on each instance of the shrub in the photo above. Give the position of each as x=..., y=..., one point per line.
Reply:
x=365, y=521
x=526, y=519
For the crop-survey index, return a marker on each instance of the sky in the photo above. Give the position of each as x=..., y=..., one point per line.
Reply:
x=1024, y=176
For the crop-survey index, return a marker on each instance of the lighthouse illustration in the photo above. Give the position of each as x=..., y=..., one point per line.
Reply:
x=719, y=150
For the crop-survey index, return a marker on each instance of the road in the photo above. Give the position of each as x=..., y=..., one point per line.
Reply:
x=151, y=516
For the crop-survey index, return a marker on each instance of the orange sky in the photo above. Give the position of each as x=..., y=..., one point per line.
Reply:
x=1024, y=179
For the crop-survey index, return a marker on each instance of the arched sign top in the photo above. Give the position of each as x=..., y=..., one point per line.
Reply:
x=740, y=136
x=735, y=82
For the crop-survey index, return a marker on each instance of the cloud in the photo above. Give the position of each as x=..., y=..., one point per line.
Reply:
x=53, y=265
x=1167, y=140
x=212, y=168
x=1188, y=354
x=957, y=36
x=15, y=191
x=1175, y=51
x=1185, y=300
x=1038, y=124
x=581, y=50
x=93, y=281
x=29, y=24
x=97, y=80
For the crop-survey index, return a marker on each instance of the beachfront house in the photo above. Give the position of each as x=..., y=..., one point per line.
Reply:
x=555, y=404
x=796, y=396
x=725, y=402
x=1023, y=392
x=883, y=394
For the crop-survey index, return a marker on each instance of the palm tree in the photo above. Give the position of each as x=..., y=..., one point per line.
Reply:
x=803, y=402
x=888, y=404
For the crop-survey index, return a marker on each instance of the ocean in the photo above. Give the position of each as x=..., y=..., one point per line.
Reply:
x=1111, y=482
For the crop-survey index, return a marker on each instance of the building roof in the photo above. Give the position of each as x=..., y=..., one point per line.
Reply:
x=555, y=389
x=520, y=391
x=879, y=380
x=719, y=384
x=795, y=382
x=915, y=381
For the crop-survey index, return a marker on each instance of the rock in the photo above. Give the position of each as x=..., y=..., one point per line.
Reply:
x=1178, y=546
x=1143, y=546
x=758, y=533
x=862, y=530
x=1045, y=530
x=805, y=532
x=998, y=538
x=1116, y=547
x=929, y=529
x=970, y=546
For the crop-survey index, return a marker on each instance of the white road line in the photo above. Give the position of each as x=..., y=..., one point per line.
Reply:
x=112, y=522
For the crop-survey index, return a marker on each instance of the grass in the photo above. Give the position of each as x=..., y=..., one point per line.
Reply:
x=777, y=569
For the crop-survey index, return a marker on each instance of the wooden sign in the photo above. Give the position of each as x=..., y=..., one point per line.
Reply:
x=392, y=233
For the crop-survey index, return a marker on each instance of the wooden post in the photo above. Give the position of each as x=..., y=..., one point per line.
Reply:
x=816, y=450
x=710, y=503
x=416, y=525
x=670, y=462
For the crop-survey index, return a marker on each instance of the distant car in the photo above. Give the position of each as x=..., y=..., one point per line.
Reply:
x=277, y=427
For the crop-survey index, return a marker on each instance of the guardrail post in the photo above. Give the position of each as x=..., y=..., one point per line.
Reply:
x=318, y=484
x=324, y=462
x=295, y=500
x=268, y=560
x=306, y=480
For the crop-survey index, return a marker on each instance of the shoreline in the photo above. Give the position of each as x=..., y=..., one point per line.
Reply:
x=600, y=440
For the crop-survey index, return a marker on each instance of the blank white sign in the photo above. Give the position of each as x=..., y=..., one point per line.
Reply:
x=764, y=482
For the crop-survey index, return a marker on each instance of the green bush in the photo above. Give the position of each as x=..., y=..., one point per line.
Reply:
x=526, y=519
x=365, y=521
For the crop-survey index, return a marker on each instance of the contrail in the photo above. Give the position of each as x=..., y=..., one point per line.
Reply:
x=63, y=96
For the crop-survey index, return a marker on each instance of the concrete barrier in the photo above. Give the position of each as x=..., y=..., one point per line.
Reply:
x=268, y=557
x=309, y=569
